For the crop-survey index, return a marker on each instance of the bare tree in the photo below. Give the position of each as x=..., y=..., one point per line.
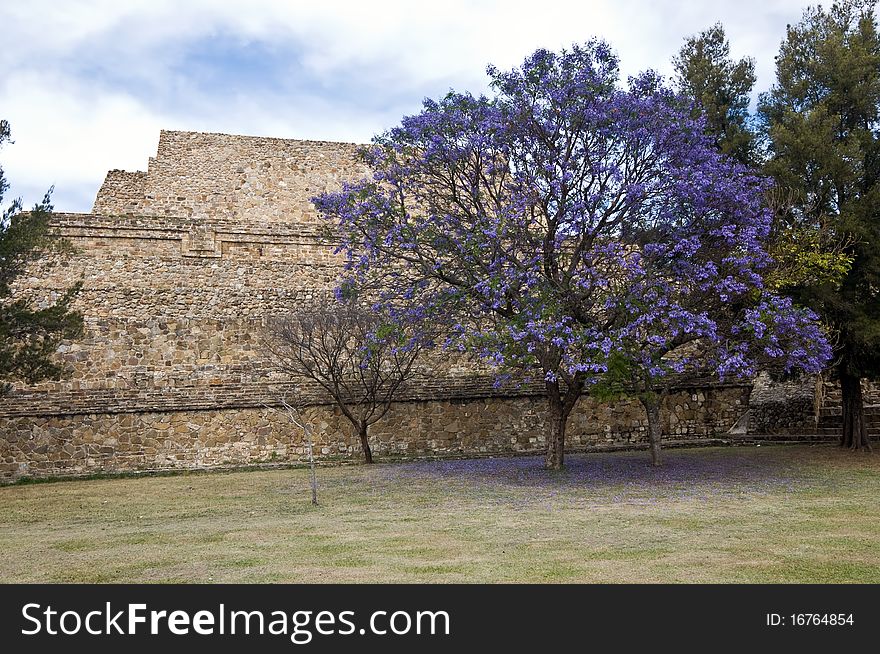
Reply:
x=358, y=356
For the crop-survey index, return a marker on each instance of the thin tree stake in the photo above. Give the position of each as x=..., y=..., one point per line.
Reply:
x=297, y=419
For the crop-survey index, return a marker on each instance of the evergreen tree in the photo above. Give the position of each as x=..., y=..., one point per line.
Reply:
x=29, y=334
x=720, y=88
x=821, y=120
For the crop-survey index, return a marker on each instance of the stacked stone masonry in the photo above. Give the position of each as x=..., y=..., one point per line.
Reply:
x=149, y=440
x=181, y=266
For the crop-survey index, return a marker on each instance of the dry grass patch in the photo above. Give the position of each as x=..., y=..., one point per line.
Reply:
x=769, y=514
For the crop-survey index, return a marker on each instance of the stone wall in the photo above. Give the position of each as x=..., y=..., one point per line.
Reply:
x=181, y=266
x=53, y=445
x=249, y=180
x=831, y=395
x=121, y=193
x=800, y=406
x=790, y=406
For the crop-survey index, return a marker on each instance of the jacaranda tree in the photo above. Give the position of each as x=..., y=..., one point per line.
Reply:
x=565, y=223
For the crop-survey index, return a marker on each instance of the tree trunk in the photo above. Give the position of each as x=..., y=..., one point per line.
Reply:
x=365, y=443
x=652, y=405
x=855, y=431
x=556, y=423
x=560, y=408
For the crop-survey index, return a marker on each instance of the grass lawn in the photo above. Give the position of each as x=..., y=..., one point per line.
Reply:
x=769, y=514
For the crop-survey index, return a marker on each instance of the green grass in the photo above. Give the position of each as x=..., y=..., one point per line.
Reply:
x=768, y=514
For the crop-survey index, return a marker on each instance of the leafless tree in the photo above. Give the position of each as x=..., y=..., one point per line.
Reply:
x=359, y=357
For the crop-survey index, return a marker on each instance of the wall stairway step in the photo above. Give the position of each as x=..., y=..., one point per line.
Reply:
x=872, y=431
x=770, y=439
x=872, y=410
x=872, y=423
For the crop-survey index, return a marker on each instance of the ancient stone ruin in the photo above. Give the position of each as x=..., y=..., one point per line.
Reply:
x=182, y=264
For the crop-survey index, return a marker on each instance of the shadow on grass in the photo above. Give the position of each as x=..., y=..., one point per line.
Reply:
x=684, y=472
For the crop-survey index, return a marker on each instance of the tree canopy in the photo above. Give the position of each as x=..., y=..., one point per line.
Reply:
x=566, y=220
x=720, y=88
x=359, y=358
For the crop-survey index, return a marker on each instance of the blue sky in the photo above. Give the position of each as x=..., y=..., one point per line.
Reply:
x=88, y=84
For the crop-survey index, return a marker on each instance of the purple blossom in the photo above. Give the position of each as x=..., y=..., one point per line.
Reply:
x=566, y=221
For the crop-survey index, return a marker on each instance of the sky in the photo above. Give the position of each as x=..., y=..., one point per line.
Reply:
x=87, y=84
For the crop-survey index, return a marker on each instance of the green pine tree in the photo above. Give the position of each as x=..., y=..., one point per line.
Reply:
x=29, y=335
x=821, y=122
x=720, y=88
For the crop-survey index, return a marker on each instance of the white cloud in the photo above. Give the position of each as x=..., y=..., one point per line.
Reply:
x=67, y=136
x=90, y=83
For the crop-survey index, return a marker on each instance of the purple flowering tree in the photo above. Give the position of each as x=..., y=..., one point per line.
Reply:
x=560, y=225
x=686, y=325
